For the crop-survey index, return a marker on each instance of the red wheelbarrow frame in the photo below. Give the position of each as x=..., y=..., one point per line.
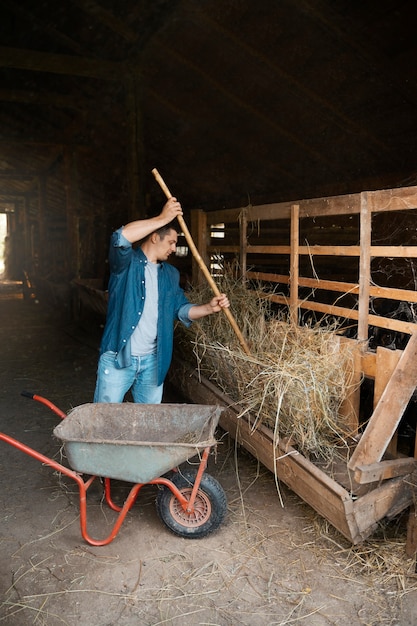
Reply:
x=186, y=503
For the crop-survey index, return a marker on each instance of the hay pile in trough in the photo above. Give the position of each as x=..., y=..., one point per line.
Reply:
x=293, y=382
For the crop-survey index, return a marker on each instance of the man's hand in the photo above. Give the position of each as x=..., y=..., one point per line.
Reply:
x=215, y=305
x=219, y=302
x=171, y=210
x=139, y=229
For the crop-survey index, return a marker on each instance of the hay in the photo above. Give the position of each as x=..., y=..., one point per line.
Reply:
x=295, y=379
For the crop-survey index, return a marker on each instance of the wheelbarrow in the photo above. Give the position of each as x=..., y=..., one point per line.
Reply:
x=142, y=444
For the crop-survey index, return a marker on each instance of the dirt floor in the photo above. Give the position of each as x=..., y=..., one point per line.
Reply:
x=267, y=565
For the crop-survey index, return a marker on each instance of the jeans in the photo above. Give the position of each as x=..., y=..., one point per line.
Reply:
x=141, y=377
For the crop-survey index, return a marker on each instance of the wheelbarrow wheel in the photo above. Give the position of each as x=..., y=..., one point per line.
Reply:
x=210, y=506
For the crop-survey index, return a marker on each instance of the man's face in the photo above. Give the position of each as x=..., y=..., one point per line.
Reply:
x=167, y=245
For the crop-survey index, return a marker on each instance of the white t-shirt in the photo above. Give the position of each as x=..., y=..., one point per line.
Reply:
x=143, y=340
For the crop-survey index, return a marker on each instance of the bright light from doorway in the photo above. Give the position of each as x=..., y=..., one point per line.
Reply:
x=3, y=233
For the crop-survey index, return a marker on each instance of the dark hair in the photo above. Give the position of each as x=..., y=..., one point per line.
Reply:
x=164, y=230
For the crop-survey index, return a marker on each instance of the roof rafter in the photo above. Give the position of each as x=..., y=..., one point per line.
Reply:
x=278, y=128
x=36, y=61
x=342, y=120
x=107, y=18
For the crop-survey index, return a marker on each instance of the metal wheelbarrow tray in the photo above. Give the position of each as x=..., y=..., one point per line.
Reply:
x=135, y=442
x=140, y=443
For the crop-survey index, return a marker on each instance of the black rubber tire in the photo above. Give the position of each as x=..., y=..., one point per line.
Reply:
x=210, y=506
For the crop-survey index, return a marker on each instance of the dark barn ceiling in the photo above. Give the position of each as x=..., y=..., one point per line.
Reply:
x=234, y=101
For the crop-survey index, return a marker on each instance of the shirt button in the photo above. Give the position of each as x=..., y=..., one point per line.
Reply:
x=124, y=340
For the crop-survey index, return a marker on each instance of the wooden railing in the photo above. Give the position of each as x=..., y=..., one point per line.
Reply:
x=266, y=240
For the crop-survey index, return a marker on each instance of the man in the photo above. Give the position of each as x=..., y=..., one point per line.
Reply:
x=145, y=299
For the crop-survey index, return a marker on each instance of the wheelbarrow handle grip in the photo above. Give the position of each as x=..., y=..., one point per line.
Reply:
x=27, y=394
x=45, y=401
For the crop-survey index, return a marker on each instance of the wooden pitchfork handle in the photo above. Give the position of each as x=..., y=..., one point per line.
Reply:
x=201, y=263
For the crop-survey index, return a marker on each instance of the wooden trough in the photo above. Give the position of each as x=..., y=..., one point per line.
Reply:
x=352, y=498
x=89, y=295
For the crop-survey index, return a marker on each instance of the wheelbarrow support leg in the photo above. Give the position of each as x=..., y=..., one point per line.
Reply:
x=109, y=499
x=203, y=464
x=82, y=488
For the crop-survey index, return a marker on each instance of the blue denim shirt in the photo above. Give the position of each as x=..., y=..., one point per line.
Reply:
x=127, y=292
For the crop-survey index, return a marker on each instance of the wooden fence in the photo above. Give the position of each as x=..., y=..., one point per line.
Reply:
x=322, y=257
x=255, y=236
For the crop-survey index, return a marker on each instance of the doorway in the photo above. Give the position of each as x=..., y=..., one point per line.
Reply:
x=3, y=244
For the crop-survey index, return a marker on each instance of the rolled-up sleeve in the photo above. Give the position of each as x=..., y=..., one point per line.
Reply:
x=183, y=314
x=120, y=251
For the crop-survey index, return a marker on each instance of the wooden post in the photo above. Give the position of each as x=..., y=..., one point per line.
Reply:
x=243, y=235
x=41, y=246
x=72, y=203
x=364, y=269
x=294, y=263
x=411, y=544
x=135, y=156
x=349, y=409
x=199, y=235
x=26, y=233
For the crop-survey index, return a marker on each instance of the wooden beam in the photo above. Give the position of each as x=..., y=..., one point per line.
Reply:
x=45, y=99
x=364, y=268
x=109, y=19
x=13, y=193
x=379, y=201
x=387, y=500
x=27, y=252
x=242, y=103
x=18, y=175
x=385, y=363
x=243, y=238
x=350, y=314
x=383, y=470
x=41, y=247
x=411, y=544
x=199, y=234
x=41, y=26
x=374, y=251
x=405, y=295
x=389, y=410
x=308, y=250
x=72, y=204
x=349, y=408
x=135, y=149
x=299, y=87
x=368, y=364
x=294, y=263
x=398, y=199
x=36, y=61
x=372, y=57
